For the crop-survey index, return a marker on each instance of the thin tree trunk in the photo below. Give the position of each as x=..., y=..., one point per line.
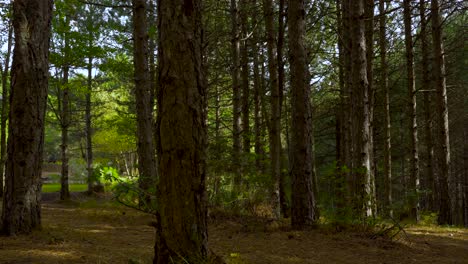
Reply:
x=22, y=202
x=4, y=114
x=413, y=127
x=369, y=16
x=284, y=208
x=65, y=124
x=88, y=128
x=388, y=126
x=259, y=148
x=181, y=229
x=443, y=152
x=275, y=120
x=304, y=211
x=244, y=62
x=236, y=98
x=145, y=146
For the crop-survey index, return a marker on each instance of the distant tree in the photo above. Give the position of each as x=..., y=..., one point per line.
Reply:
x=30, y=71
x=143, y=95
x=181, y=228
x=4, y=110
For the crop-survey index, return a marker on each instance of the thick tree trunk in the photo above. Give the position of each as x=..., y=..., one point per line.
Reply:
x=361, y=169
x=4, y=113
x=22, y=202
x=275, y=120
x=143, y=95
x=369, y=24
x=426, y=84
x=413, y=127
x=443, y=152
x=304, y=211
x=181, y=233
x=236, y=98
x=387, y=134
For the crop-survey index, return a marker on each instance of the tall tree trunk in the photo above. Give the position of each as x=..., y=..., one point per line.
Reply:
x=22, y=202
x=361, y=168
x=236, y=98
x=65, y=124
x=413, y=126
x=443, y=152
x=388, y=125
x=369, y=24
x=304, y=211
x=275, y=120
x=244, y=60
x=88, y=128
x=145, y=146
x=426, y=83
x=284, y=208
x=259, y=148
x=181, y=233
x=4, y=114
x=341, y=129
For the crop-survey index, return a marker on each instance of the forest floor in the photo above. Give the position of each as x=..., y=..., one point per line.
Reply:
x=99, y=231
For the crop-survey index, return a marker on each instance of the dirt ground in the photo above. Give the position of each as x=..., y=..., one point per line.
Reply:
x=100, y=232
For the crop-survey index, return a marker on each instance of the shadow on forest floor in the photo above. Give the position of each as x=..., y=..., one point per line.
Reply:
x=98, y=231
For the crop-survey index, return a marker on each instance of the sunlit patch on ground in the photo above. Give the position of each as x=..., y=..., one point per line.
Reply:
x=103, y=232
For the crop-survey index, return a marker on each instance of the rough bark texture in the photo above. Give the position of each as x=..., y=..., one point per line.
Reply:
x=443, y=152
x=284, y=207
x=426, y=84
x=5, y=103
x=236, y=96
x=275, y=118
x=22, y=202
x=181, y=233
x=413, y=185
x=303, y=210
x=361, y=188
x=388, y=126
x=145, y=145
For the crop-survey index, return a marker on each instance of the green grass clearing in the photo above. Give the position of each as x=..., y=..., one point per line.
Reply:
x=55, y=187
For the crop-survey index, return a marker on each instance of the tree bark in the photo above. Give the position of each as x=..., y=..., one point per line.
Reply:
x=65, y=124
x=443, y=152
x=426, y=83
x=275, y=118
x=388, y=200
x=284, y=208
x=236, y=98
x=362, y=183
x=304, y=211
x=143, y=95
x=22, y=202
x=413, y=126
x=369, y=24
x=245, y=69
x=4, y=114
x=181, y=232
x=88, y=128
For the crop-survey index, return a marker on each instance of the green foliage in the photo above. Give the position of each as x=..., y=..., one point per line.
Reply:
x=55, y=187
